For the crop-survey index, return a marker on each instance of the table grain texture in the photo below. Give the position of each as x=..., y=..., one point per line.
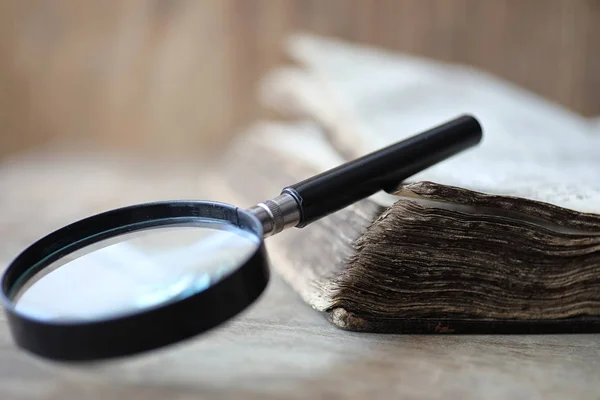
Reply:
x=279, y=348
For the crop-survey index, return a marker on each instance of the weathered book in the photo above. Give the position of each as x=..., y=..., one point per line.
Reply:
x=503, y=238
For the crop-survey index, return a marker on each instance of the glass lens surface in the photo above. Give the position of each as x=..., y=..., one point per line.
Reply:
x=135, y=271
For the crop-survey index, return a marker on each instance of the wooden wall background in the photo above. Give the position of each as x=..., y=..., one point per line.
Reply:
x=178, y=77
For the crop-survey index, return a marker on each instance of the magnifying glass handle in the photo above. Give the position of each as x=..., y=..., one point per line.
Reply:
x=313, y=198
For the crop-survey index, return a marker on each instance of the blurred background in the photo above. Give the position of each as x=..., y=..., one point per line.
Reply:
x=177, y=78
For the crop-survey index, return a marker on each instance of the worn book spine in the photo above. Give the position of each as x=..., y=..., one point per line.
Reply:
x=365, y=268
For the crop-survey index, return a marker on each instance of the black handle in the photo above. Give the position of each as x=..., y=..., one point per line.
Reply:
x=339, y=187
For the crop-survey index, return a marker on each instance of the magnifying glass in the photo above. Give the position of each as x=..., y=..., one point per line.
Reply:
x=146, y=276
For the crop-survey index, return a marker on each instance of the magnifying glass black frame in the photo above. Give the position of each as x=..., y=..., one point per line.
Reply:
x=173, y=321
x=156, y=326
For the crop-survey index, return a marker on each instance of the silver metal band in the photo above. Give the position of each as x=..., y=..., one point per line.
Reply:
x=277, y=214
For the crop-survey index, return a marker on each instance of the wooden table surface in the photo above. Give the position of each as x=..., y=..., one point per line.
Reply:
x=279, y=348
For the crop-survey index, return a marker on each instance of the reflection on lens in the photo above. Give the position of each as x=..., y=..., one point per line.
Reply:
x=135, y=271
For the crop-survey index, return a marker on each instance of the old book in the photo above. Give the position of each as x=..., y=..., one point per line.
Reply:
x=502, y=238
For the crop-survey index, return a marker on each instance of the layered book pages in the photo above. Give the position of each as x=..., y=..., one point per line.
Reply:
x=502, y=238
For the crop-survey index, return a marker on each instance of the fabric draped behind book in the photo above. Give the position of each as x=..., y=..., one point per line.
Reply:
x=531, y=147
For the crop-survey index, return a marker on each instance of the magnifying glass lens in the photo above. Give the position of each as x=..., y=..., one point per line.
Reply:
x=135, y=271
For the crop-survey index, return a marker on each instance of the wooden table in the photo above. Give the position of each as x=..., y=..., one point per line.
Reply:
x=279, y=348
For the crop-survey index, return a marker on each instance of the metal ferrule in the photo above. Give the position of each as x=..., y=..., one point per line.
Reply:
x=277, y=214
